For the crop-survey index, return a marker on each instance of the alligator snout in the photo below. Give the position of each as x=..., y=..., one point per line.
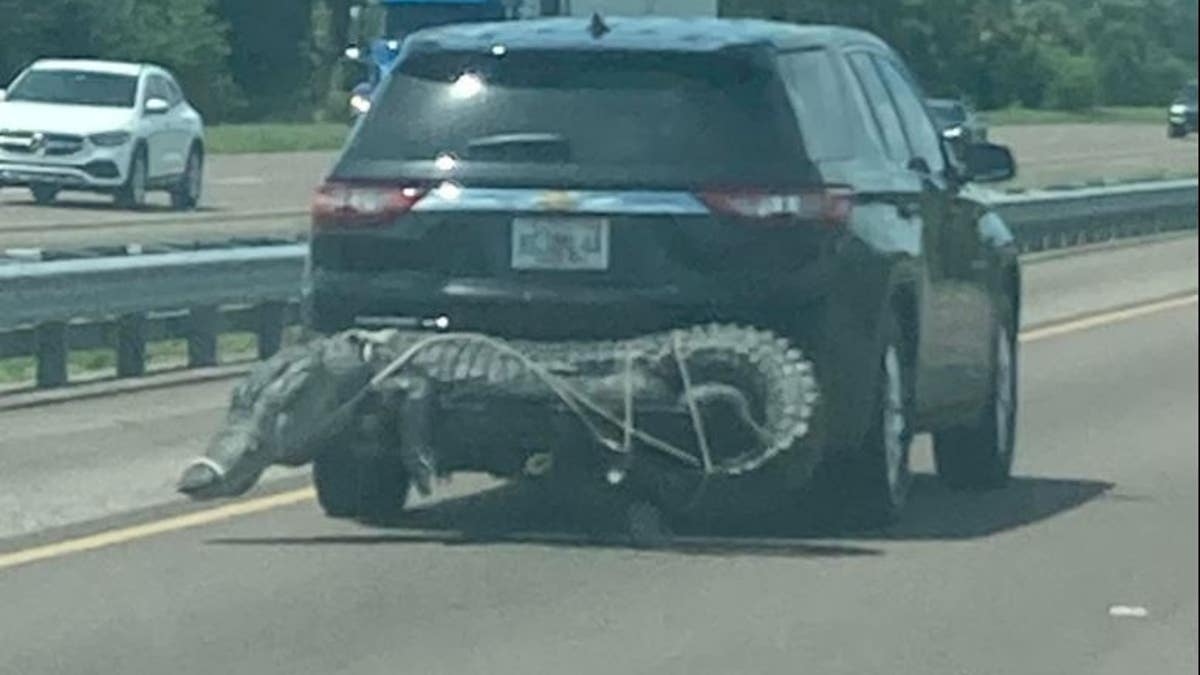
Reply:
x=231, y=467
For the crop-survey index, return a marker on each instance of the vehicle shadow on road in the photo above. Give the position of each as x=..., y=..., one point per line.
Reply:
x=936, y=512
x=516, y=514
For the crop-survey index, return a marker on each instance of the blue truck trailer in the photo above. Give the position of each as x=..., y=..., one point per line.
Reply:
x=378, y=28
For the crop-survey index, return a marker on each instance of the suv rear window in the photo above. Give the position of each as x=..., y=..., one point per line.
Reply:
x=694, y=117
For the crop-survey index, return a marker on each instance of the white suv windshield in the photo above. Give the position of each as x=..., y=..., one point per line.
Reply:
x=76, y=88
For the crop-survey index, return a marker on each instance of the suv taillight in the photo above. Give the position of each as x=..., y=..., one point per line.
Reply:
x=829, y=205
x=348, y=205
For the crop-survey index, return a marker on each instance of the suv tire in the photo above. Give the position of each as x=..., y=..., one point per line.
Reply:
x=44, y=194
x=132, y=195
x=185, y=195
x=980, y=455
x=370, y=488
x=868, y=486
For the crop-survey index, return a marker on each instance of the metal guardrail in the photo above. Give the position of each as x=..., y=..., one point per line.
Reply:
x=48, y=308
x=1047, y=219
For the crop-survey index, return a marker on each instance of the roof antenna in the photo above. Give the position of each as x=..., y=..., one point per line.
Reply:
x=597, y=27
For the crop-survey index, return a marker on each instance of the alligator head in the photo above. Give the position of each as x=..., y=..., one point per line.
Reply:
x=284, y=412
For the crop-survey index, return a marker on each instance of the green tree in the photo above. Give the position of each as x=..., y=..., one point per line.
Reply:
x=182, y=35
x=1033, y=52
x=271, y=57
x=1073, y=84
x=185, y=36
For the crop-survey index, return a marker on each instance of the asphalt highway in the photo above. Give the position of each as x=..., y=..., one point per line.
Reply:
x=267, y=195
x=1084, y=564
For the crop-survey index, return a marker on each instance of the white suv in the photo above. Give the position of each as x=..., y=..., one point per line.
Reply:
x=100, y=126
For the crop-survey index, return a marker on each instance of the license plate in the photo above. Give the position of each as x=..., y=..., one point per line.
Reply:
x=547, y=243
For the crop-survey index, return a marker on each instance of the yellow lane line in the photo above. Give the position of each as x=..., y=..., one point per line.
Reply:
x=1076, y=325
x=135, y=532
x=261, y=504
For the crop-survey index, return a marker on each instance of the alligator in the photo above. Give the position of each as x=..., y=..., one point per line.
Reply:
x=668, y=415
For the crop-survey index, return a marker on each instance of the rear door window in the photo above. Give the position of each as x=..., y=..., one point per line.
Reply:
x=948, y=114
x=882, y=108
x=697, y=117
x=819, y=102
x=924, y=139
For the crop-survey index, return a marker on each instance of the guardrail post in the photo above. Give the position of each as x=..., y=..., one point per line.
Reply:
x=131, y=345
x=270, y=328
x=203, y=326
x=52, y=353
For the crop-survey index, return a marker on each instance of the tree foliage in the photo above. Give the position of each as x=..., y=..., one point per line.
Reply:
x=279, y=59
x=185, y=36
x=1029, y=52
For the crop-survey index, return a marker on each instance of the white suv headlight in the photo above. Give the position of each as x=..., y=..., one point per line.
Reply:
x=110, y=139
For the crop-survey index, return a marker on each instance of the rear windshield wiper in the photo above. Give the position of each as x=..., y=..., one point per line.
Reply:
x=529, y=147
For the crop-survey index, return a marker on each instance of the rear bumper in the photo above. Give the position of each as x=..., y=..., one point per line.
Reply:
x=336, y=301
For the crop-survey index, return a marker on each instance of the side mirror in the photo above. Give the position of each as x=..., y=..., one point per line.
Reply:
x=989, y=163
x=157, y=106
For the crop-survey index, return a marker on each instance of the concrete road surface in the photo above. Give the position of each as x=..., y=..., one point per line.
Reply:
x=1084, y=564
x=1049, y=154
x=268, y=195
x=70, y=465
x=245, y=195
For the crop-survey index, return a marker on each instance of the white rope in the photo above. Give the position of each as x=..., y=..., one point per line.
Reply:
x=212, y=464
x=627, y=436
x=574, y=399
x=693, y=410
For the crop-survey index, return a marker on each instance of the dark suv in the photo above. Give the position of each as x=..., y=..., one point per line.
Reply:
x=547, y=180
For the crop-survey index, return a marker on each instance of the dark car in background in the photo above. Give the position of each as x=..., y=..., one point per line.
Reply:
x=958, y=120
x=1181, y=116
x=547, y=180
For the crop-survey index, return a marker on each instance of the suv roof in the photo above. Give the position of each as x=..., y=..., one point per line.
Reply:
x=90, y=66
x=636, y=33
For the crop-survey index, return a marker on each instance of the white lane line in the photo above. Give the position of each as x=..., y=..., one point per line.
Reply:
x=261, y=504
x=237, y=180
x=1128, y=612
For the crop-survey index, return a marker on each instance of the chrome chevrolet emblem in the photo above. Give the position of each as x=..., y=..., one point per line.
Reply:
x=38, y=143
x=557, y=201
